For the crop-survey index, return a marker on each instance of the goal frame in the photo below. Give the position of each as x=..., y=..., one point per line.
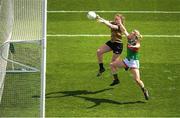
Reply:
x=43, y=43
x=43, y=61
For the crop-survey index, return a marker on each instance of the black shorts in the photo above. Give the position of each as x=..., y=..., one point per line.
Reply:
x=115, y=46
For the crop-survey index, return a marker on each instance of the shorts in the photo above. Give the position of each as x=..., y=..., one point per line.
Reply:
x=131, y=63
x=115, y=46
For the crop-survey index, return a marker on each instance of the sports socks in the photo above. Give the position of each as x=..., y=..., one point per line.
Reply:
x=115, y=76
x=101, y=67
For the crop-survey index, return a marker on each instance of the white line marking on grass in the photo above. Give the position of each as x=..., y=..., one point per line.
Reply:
x=140, y=12
x=78, y=35
x=106, y=35
x=163, y=36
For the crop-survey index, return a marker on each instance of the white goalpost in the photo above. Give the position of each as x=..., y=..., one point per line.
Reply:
x=22, y=51
x=43, y=67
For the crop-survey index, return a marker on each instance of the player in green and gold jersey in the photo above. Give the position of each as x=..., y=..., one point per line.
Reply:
x=114, y=45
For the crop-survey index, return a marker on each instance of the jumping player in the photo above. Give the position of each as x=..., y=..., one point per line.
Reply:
x=114, y=44
x=131, y=62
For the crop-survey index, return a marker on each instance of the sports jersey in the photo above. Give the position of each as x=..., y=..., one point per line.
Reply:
x=132, y=53
x=116, y=34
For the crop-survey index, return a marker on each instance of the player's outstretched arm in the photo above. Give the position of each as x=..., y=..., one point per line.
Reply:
x=106, y=22
x=123, y=29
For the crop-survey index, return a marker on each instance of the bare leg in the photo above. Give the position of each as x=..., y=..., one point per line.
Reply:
x=100, y=51
x=114, y=61
x=116, y=64
x=114, y=67
x=136, y=77
x=103, y=49
x=115, y=57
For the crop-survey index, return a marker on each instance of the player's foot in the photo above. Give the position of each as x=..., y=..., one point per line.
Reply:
x=100, y=72
x=146, y=94
x=116, y=81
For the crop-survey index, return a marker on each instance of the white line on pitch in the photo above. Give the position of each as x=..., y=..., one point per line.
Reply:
x=106, y=35
x=154, y=12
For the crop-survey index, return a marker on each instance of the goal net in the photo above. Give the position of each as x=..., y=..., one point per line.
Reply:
x=6, y=22
x=22, y=53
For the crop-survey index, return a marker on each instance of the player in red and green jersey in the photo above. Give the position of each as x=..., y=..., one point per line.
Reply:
x=131, y=61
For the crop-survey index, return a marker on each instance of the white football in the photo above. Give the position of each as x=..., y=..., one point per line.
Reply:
x=91, y=15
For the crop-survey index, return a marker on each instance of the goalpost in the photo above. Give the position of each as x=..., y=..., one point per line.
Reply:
x=23, y=45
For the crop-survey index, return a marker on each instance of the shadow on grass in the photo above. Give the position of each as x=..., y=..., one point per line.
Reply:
x=74, y=93
x=79, y=93
x=98, y=101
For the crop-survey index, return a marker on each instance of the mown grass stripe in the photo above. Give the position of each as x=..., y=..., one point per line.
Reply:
x=105, y=35
x=115, y=11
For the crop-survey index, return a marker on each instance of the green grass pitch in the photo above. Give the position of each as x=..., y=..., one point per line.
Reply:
x=73, y=90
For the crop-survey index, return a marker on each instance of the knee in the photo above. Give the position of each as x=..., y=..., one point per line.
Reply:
x=99, y=52
x=112, y=65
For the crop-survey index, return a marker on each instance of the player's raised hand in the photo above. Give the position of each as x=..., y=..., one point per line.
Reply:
x=99, y=19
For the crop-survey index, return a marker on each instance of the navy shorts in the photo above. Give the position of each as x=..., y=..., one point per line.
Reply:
x=115, y=46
